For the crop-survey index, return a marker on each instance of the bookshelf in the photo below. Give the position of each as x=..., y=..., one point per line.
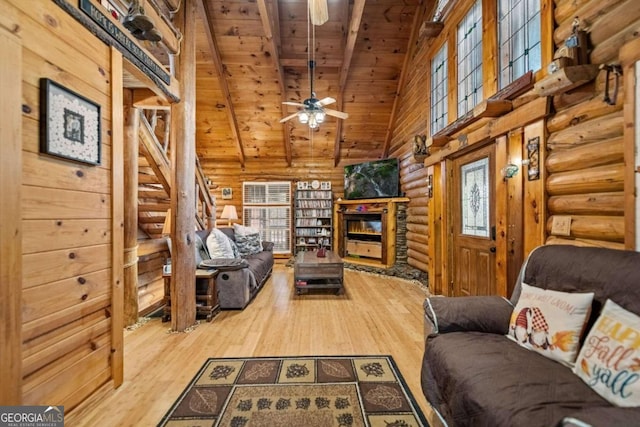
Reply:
x=313, y=219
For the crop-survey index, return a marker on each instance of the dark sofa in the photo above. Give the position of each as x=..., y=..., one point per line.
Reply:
x=473, y=375
x=240, y=280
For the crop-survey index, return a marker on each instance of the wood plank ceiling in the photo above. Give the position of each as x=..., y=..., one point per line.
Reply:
x=252, y=55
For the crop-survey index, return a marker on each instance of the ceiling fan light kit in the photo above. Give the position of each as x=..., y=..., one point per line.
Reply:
x=313, y=112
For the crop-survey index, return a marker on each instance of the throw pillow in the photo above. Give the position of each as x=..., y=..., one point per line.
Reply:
x=249, y=244
x=219, y=245
x=609, y=361
x=201, y=250
x=241, y=230
x=550, y=322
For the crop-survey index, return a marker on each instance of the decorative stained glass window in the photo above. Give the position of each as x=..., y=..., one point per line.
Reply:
x=439, y=90
x=470, y=59
x=439, y=9
x=518, y=38
x=475, y=198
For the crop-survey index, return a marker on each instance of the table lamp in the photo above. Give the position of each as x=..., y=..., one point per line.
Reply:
x=229, y=213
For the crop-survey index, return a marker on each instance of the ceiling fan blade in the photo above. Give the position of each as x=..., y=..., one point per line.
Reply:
x=335, y=113
x=297, y=104
x=326, y=101
x=288, y=117
x=318, y=11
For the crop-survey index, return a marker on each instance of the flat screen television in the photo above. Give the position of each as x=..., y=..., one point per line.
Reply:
x=371, y=180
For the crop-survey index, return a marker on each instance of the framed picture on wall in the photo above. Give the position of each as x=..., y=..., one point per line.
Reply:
x=69, y=124
x=227, y=193
x=325, y=185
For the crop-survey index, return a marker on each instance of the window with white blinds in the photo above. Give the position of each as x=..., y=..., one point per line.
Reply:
x=267, y=207
x=518, y=38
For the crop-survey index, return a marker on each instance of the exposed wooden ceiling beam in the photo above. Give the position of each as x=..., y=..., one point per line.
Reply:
x=304, y=62
x=352, y=37
x=203, y=6
x=270, y=22
x=415, y=29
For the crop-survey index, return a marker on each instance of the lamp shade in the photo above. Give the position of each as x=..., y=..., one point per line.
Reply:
x=229, y=213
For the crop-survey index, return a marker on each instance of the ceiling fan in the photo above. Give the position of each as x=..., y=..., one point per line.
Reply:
x=313, y=110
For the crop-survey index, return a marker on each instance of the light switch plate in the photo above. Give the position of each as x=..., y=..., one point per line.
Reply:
x=561, y=225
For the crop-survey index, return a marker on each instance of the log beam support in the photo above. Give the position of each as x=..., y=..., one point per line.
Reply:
x=183, y=293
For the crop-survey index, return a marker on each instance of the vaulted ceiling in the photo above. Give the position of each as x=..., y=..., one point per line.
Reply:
x=253, y=54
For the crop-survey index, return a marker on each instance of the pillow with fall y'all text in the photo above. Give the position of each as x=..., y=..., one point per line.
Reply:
x=609, y=361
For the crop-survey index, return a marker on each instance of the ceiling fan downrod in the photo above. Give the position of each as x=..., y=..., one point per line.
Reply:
x=312, y=66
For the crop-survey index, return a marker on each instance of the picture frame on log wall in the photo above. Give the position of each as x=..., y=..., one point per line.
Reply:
x=69, y=124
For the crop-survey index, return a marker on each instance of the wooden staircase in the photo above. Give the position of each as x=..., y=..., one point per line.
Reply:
x=154, y=178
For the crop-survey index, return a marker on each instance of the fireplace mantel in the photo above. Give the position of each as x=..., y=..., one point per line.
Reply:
x=365, y=230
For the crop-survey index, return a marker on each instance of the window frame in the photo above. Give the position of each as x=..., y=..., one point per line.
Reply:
x=477, y=95
x=442, y=102
x=267, y=212
x=524, y=31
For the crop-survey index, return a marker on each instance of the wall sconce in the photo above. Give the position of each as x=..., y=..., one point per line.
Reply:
x=510, y=170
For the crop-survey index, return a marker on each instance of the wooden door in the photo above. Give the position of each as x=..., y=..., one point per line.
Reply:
x=473, y=222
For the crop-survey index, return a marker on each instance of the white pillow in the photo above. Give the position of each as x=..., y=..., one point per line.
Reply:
x=550, y=322
x=219, y=245
x=609, y=361
x=241, y=230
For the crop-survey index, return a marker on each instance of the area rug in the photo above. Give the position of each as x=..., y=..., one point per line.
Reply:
x=341, y=391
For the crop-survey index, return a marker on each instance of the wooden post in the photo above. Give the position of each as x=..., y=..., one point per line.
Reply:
x=515, y=230
x=11, y=219
x=132, y=122
x=500, y=217
x=535, y=193
x=117, y=218
x=183, y=293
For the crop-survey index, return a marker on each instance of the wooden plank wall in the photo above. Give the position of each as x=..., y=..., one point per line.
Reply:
x=585, y=162
x=68, y=240
x=10, y=218
x=152, y=255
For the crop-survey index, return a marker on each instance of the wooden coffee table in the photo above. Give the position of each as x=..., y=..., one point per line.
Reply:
x=313, y=272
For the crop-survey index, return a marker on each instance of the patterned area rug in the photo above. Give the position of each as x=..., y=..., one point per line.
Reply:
x=322, y=391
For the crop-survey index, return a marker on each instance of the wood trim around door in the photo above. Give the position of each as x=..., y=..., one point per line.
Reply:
x=11, y=218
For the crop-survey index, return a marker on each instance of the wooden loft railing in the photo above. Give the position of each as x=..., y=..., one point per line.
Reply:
x=154, y=177
x=205, y=202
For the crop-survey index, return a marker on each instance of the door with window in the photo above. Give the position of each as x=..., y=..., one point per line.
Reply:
x=473, y=222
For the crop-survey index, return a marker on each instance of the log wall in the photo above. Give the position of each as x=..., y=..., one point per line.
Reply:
x=232, y=175
x=68, y=242
x=585, y=162
x=411, y=119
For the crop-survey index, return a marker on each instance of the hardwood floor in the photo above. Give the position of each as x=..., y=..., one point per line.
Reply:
x=375, y=315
